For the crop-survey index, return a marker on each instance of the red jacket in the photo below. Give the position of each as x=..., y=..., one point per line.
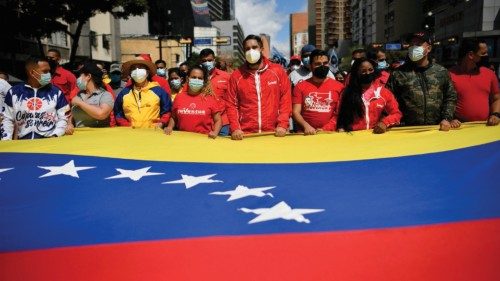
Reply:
x=259, y=101
x=380, y=105
x=219, y=81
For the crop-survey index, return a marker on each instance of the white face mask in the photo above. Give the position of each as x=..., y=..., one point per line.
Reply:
x=252, y=56
x=139, y=75
x=416, y=53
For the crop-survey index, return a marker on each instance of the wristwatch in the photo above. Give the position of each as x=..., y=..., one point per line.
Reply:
x=497, y=114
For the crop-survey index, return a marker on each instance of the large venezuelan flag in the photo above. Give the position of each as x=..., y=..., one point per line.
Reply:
x=123, y=204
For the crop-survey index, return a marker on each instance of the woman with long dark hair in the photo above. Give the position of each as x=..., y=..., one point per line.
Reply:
x=365, y=103
x=196, y=109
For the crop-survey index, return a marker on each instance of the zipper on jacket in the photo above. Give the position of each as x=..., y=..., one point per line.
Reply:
x=420, y=77
x=259, y=102
x=367, y=115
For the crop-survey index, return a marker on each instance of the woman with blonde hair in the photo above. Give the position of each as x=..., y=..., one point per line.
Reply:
x=196, y=109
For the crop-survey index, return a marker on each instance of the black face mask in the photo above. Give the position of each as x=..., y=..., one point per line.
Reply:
x=484, y=61
x=321, y=71
x=53, y=65
x=367, y=78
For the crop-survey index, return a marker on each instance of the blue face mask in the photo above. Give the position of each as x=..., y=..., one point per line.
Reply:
x=82, y=85
x=382, y=65
x=115, y=77
x=208, y=65
x=161, y=72
x=44, y=79
x=195, y=84
x=305, y=61
x=175, y=83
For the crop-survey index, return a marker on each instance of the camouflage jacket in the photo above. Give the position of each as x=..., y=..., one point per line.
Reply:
x=426, y=96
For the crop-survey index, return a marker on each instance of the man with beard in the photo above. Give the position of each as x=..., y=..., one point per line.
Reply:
x=259, y=95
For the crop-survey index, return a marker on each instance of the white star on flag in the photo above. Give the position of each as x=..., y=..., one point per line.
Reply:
x=67, y=169
x=191, y=181
x=134, y=175
x=5, y=170
x=242, y=191
x=280, y=211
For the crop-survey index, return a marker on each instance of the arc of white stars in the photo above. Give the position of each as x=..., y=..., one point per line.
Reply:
x=68, y=169
x=242, y=191
x=280, y=211
x=191, y=181
x=134, y=175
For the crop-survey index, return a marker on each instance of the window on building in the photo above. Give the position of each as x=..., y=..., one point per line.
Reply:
x=176, y=58
x=93, y=38
x=106, y=41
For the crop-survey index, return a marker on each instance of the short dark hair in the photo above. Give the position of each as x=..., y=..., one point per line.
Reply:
x=318, y=53
x=174, y=70
x=206, y=52
x=160, y=61
x=372, y=53
x=54, y=51
x=253, y=37
x=4, y=73
x=197, y=67
x=31, y=62
x=34, y=60
x=468, y=45
x=90, y=67
x=184, y=63
x=358, y=51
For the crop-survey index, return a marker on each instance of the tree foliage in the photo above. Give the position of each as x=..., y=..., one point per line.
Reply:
x=40, y=18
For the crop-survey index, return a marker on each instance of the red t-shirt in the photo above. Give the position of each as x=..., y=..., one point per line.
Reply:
x=319, y=102
x=474, y=91
x=194, y=113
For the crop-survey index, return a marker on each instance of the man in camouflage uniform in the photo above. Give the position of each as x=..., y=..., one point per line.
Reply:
x=424, y=90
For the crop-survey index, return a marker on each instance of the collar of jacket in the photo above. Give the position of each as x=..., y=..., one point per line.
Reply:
x=265, y=62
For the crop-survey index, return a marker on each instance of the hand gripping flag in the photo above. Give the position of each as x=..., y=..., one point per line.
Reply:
x=123, y=204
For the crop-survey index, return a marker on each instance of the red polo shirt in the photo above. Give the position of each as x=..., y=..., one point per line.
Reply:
x=474, y=92
x=64, y=80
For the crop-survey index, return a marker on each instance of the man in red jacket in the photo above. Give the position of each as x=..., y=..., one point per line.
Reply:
x=259, y=96
x=219, y=81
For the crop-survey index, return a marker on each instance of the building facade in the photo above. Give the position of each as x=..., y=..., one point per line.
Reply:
x=172, y=52
x=397, y=19
x=205, y=37
x=364, y=22
x=298, y=32
x=100, y=39
x=221, y=10
x=233, y=52
x=449, y=22
x=266, y=42
x=330, y=24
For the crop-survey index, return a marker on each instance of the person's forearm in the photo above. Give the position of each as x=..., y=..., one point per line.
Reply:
x=95, y=111
x=495, y=105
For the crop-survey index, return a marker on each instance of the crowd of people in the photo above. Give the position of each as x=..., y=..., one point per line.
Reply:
x=258, y=97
